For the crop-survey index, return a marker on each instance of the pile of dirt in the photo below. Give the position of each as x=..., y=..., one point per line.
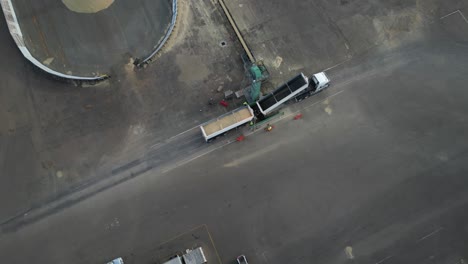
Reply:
x=87, y=6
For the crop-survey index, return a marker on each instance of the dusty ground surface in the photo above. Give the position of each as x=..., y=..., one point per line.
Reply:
x=88, y=38
x=375, y=172
x=54, y=136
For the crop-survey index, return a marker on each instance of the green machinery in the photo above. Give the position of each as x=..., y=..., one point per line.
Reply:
x=256, y=73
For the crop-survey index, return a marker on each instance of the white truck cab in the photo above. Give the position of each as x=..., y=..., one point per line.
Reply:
x=318, y=82
x=321, y=80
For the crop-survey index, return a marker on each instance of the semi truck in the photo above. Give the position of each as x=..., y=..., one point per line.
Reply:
x=298, y=87
x=226, y=122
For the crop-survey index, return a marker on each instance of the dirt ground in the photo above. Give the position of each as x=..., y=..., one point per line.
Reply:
x=55, y=137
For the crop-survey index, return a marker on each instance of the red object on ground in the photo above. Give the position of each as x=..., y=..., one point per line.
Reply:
x=298, y=116
x=240, y=138
x=223, y=103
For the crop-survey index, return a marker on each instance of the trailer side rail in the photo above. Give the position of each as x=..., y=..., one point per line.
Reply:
x=226, y=122
x=283, y=93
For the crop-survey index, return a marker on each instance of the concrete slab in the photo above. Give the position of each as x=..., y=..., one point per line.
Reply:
x=309, y=36
x=88, y=44
x=289, y=36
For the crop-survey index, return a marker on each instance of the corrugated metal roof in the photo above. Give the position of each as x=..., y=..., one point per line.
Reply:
x=195, y=256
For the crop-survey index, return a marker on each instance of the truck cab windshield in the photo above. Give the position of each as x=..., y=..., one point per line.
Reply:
x=313, y=86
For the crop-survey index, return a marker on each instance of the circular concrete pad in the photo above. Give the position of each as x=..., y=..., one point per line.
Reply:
x=90, y=37
x=87, y=6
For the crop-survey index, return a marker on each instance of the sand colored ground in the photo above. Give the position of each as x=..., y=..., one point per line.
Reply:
x=87, y=6
x=226, y=121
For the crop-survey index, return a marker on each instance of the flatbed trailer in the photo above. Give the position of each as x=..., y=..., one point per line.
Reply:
x=299, y=87
x=283, y=93
x=226, y=122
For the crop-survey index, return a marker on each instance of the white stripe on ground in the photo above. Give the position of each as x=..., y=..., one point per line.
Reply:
x=430, y=234
x=455, y=12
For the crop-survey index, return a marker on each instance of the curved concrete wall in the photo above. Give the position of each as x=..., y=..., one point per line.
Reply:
x=166, y=37
x=15, y=31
